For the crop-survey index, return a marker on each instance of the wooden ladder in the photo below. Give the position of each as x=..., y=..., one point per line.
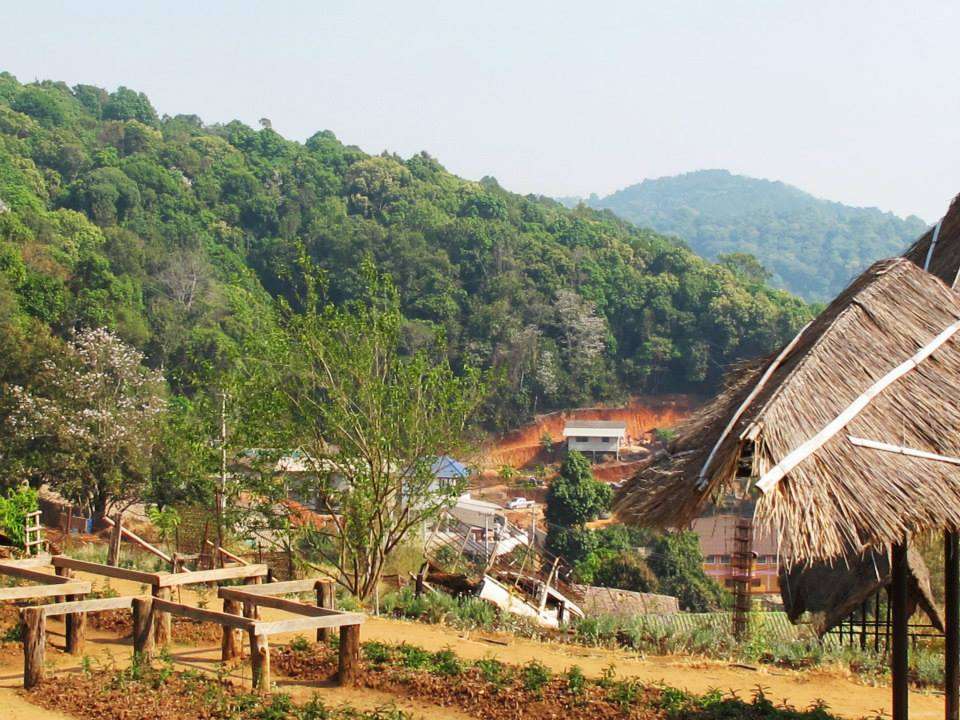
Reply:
x=33, y=541
x=742, y=564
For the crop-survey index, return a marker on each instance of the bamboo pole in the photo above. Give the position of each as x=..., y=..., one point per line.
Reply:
x=230, y=646
x=260, y=661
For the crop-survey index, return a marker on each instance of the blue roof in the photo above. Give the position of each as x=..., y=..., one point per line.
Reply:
x=446, y=467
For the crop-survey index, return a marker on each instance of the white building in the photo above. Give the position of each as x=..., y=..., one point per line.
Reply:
x=595, y=436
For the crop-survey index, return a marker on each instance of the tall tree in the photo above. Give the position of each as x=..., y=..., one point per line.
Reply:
x=372, y=422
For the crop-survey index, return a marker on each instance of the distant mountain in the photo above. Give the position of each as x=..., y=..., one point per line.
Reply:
x=811, y=247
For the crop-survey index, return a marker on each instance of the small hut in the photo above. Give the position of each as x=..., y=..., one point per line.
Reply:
x=847, y=438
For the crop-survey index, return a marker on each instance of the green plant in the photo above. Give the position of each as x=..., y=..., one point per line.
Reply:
x=576, y=681
x=377, y=653
x=446, y=662
x=625, y=692
x=535, y=676
x=300, y=644
x=414, y=657
x=492, y=671
x=14, y=508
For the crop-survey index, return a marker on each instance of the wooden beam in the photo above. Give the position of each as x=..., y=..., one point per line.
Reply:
x=30, y=592
x=34, y=645
x=29, y=562
x=283, y=588
x=899, y=579
x=274, y=627
x=201, y=576
x=137, y=576
x=137, y=540
x=92, y=605
x=227, y=553
x=25, y=573
x=951, y=583
x=276, y=603
x=195, y=613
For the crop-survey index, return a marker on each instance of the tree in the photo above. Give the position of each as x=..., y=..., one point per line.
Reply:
x=575, y=497
x=90, y=421
x=372, y=422
x=676, y=560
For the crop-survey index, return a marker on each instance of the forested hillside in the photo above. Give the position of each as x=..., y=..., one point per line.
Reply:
x=181, y=236
x=811, y=247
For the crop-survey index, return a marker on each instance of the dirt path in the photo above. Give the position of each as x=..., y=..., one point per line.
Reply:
x=843, y=695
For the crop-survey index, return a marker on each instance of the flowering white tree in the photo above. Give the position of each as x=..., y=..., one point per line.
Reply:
x=90, y=423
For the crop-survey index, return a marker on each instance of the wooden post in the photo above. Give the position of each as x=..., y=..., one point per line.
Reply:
x=34, y=645
x=163, y=625
x=74, y=624
x=260, y=661
x=326, y=598
x=349, y=654
x=143, y=632
x=113, y=554
x=250, y=610
x=898, y=661
x=951, y=582
x=230, y=642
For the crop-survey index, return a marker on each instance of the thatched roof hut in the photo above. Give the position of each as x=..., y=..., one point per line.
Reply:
x=880, y=363
x=938, y=249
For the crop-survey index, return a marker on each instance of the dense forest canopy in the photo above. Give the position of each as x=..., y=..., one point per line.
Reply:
x=812, y=247
x=181, y=237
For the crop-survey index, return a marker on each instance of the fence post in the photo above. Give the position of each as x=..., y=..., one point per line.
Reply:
x=260, y=661
x=143, y=632
x=74, y=624
x=250, y=610
x=326, y=598
x=34, y=645
x=229, y=645
x=349, y=654
x=161, y=620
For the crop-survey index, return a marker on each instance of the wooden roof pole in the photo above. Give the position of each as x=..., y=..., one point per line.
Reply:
x=775, y=474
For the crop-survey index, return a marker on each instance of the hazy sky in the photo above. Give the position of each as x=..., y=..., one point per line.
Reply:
x=852, y=101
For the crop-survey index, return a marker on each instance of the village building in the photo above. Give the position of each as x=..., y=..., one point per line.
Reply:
x=718, y=545
x=595, y=437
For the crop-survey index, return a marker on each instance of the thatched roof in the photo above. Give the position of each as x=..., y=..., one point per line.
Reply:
x=841, y=498
x=829, y=593
x=944, y=261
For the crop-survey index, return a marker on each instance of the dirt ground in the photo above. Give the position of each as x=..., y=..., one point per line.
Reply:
x=843, y=694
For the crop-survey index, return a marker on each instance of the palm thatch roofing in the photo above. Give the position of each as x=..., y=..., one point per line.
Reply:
x=831, y=592
x=841, y=499
x=944, y=259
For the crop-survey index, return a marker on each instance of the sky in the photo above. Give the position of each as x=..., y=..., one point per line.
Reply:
x=857, y=102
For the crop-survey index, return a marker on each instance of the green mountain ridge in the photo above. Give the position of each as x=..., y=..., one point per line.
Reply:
x=812, y=247
x=180, y=236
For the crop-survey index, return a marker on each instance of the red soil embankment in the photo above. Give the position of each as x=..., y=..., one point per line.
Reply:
x=522, y=447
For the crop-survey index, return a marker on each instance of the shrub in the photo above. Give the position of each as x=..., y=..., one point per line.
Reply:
x=414, y=657
x=377, y=653
x=446, y=662
x=535, y=676
x=299, y=644
x=492, y=671
x=576, y=682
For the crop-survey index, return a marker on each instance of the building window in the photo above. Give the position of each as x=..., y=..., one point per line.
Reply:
x=583, y=439
x=606, y=440
x=755, y=582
